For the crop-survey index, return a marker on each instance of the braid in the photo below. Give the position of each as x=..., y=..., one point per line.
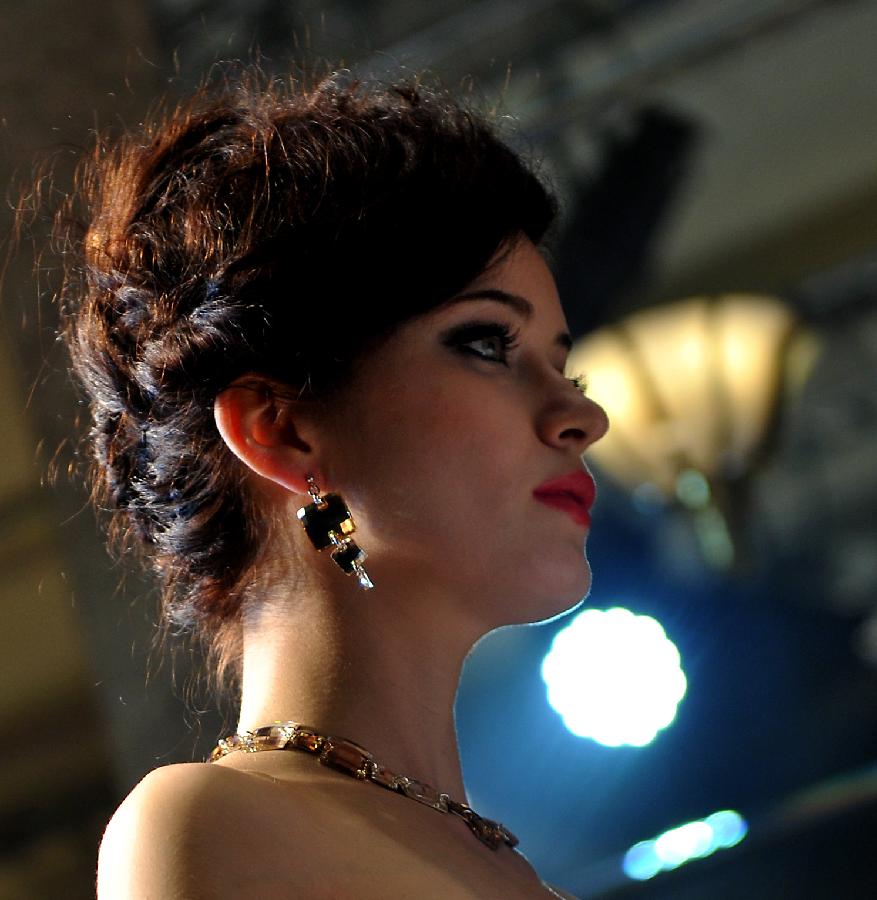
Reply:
x=218, y=239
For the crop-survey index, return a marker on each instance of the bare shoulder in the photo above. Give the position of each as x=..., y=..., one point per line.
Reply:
x=167, y=835
x=198, y=831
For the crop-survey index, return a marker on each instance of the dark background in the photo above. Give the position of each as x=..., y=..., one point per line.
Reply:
x=700, y=148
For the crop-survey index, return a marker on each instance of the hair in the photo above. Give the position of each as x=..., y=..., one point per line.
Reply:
x=260, y=226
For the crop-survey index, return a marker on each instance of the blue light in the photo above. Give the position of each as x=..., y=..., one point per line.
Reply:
x=728, y=826
x=641, y=862
x=680, y=845
x=614, y=677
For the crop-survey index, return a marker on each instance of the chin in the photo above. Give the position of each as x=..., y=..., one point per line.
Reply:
x=575, y=597
x=570, y=610
x=556, y=596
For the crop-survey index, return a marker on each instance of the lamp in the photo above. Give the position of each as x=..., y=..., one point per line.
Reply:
x=691, y=389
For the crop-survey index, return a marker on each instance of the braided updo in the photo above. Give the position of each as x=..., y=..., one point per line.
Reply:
x=270, y=227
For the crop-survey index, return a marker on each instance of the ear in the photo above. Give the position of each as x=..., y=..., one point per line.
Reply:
x=267, y=431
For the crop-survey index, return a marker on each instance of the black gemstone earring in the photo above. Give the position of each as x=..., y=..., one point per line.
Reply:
x=328, y=523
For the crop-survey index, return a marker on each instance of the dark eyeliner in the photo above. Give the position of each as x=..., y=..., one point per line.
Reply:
x=469, y=332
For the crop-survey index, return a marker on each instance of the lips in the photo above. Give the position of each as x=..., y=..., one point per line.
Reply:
x=573, y=493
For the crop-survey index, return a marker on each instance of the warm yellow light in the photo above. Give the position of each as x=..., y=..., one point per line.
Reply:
x=687, y=386
x=617, y=388
x=752, y=334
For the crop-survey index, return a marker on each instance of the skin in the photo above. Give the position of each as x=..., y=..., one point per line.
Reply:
x=436, y=446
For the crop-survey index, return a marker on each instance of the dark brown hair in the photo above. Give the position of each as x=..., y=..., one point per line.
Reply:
x=259, y=226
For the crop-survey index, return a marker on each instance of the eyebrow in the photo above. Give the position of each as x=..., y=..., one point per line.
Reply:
x=521, y=305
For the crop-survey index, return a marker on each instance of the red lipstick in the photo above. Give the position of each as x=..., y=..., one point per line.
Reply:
x=573, y=493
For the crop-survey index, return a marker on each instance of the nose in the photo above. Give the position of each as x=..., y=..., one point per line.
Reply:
x=572, y=422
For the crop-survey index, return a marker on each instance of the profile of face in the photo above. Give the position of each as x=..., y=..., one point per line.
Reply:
x=445, y=430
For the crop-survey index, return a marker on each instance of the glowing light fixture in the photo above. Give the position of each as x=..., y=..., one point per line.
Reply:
x=691, y=389
x=679, y=845
x=614, y=677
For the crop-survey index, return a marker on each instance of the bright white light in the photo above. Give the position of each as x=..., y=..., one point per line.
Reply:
x=614, y=677
x=689, y=841
x=685, y=842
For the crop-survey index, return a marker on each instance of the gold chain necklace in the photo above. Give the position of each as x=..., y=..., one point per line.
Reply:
x=357, y=762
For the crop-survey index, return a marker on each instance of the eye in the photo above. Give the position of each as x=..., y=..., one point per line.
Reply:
x=490, y=341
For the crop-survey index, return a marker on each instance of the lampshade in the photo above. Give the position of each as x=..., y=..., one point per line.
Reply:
x=689, y=386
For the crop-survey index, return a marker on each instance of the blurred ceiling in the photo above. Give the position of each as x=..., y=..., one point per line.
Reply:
x=751, y=129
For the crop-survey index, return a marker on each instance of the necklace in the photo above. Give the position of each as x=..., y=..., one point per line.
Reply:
x=357, y=762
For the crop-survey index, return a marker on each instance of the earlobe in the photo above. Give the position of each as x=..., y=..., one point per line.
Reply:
x=260, y=428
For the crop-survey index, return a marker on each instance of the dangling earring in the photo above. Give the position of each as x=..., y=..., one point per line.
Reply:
x=327, y=522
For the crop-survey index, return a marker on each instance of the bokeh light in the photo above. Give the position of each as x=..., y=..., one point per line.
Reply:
x=614, y=676
x=693, y=840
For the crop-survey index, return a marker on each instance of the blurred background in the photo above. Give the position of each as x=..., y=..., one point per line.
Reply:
x=717, y=256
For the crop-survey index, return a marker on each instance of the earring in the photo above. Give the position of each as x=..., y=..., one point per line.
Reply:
x=327, y=522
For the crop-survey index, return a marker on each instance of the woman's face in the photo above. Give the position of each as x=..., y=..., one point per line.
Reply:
x=440, y=439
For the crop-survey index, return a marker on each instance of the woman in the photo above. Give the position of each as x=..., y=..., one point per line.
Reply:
x=326, y=307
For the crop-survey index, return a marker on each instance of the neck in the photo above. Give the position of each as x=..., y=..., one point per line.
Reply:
x=380, y=669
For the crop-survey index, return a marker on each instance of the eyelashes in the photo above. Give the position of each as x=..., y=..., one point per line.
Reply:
x=579, y=382
x=496, y=340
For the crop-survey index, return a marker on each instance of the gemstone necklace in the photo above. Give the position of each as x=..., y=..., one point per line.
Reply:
x=356, y=761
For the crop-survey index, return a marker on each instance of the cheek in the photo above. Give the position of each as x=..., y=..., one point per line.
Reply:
x=433, y=476
x=433, y=460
